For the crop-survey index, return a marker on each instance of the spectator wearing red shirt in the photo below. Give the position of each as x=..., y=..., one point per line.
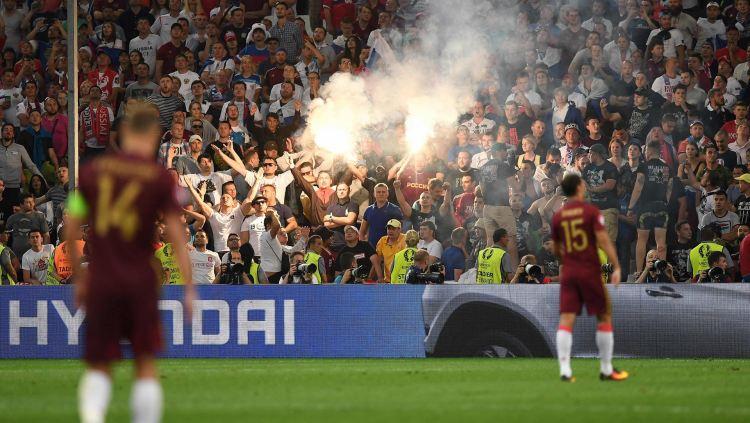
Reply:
x=336, y=10
x=167, y=53
x=105, y=77
x=414, y=179
x=733, y=52
x=463, y=204
x=740, y=115
x=364, y=24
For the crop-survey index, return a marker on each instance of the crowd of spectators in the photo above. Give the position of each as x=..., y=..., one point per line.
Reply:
x=646, y=100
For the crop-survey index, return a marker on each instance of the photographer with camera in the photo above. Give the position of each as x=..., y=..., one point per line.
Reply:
x=718, y=269
x=422, y=273
x=313, y=256
x=300, y=272
x=698, y=257
x=238, y=266
x=352, y=272
x=528, y=271
x=656, y=270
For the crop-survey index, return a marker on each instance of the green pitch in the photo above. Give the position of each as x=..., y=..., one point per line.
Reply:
x=431, y=390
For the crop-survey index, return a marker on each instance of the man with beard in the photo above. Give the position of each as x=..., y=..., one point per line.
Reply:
x=479, y=124
x=13, y=158
x=206, y=263
x=715, y=115
x=463, y=204
x=463, y=168
x=538, y=206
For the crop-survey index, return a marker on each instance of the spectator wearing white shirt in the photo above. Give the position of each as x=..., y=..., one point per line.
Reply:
x=478, y=160
x=34, y=261
x=618, y=51
x=711, y=28
x=146, y=43
x=428, y=242
x=226, y=218
x=246, y=108
x=213, y=180
x=206, y=263
x=665, y=84
x=742, y=145
x=674, y=46
x=479, y=124
x=528, y=100
x=273, y=246
x=598, y=9
x=163, y=24
x=185, y=75
x=252, y=226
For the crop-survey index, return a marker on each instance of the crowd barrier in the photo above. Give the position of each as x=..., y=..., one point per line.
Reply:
x=667, y=321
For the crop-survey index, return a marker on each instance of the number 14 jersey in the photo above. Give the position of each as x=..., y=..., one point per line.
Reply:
x=123, y=197
x=573, y=229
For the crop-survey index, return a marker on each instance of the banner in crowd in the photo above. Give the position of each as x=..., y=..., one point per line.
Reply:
x=234, y=321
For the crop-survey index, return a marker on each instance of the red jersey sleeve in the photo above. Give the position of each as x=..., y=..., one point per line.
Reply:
x=597, y=220
x=168, y=189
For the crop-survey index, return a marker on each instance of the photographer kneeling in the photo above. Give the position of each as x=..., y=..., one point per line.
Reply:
x=717, y=273
x=238, y=266
x=422, y=273
x=656, y=270
x=528, y=271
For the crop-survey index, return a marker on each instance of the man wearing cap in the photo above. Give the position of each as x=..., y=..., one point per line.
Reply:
x=572, y=142
x=288, y=33
x=236, y=28
x=255, y=45
x=389, y=245
x=252, y=227
x=641, y=118
x=600, y=177
x=362, y=252
x=497, y=180
x=188, y=163
x=712, y=28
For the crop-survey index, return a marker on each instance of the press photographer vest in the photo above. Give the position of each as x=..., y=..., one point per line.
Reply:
x=699, y=256
x=312, y=258
x=165, y=255
x=401, y=263
x=253, y=273
x=490, y=266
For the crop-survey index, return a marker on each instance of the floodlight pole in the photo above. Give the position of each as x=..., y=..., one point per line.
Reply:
x=72, y=24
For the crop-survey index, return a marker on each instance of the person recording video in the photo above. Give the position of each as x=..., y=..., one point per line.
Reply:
x=656, y=270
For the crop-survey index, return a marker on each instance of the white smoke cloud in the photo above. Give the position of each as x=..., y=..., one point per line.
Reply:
x=431, y=84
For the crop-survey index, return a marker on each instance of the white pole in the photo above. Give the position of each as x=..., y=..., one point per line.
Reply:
x=72, y=24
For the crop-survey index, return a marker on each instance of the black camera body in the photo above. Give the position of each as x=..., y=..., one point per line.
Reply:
x=305, y=268
x=716, y=274
x=432, y=278
x=659, y=266
x=360, y=272
x=608, y=268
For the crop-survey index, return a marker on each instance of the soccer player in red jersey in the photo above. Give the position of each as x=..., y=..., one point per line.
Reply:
x=577, y=230
x=120, y=196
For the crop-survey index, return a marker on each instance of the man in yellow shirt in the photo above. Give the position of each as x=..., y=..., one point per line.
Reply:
x=389, y=245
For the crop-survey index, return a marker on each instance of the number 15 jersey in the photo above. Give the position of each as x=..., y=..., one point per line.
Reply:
x=573, y=229
x=120, y=197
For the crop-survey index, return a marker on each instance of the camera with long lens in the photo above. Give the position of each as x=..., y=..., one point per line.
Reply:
x=233, y=274
x=360, y=273
x=659, y=266
x=534, y=271
x=430, y=278
x=716, y=274
x=436, y=267
x=305, y=269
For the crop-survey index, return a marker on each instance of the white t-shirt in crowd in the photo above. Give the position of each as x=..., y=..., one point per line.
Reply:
x=36, y=262
x=224, y=224
x=204, y=265
x=253, y=225
x=433, y=247
x=186, y=81
x=147, y=47
x=217, y=178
